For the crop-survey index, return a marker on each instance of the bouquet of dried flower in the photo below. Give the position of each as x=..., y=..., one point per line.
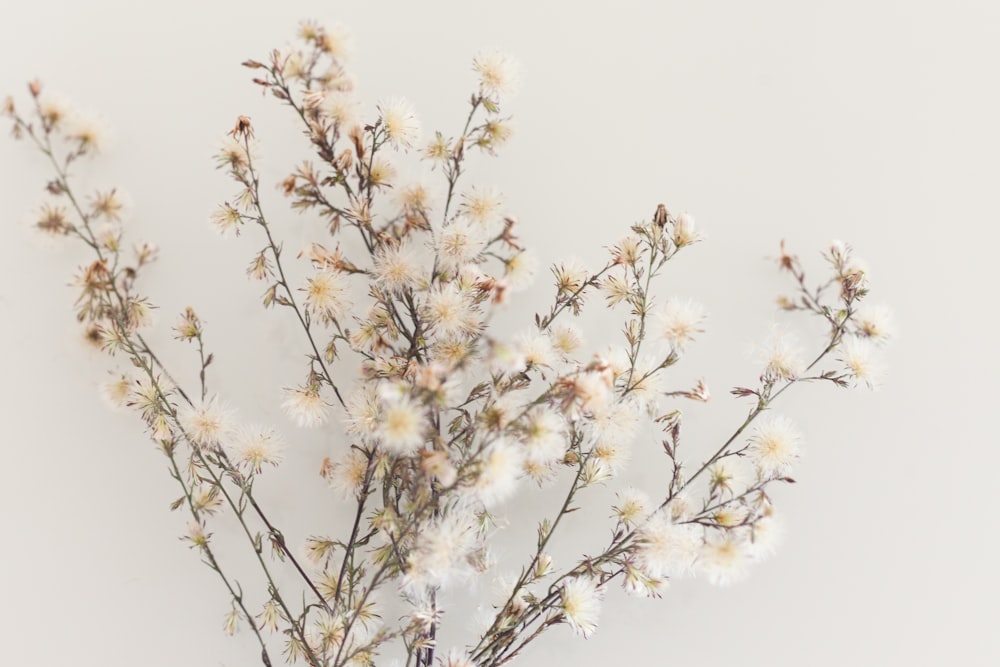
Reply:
x=440, y=418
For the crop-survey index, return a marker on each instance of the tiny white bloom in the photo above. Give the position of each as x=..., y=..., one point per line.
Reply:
x=782, y=356
x=116, y=391
x=347, y=474
x=498, y=75
x=774, y=445
x=632, y=505
x=678, y=322
x=482, y=205
x=256, y=446
x=396, y=268
x=90, y=133
x=536, y=348
x=457, y=658
x=544, y=433
x=567, y=339
x=581, y=599
x=862, y=360
x=305, y=407
x=441, y=549
x=724, y=557
x=520, y=270
x=400, y=122
x=499, y=469
x=685, y=232
x=401, y=426
x=326, y=296
x=207, y=425
x=449, y=311
x=667, y=549
x=458, y=244
x=875, y=322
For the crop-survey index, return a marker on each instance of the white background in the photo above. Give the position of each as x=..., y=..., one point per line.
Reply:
x=873, y=122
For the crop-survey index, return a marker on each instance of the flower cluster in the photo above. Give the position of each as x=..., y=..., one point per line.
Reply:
x=443, y=420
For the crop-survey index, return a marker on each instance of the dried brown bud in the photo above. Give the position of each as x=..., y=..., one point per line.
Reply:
x=786, y=261
x=242, y=128
x=252, y=64
x=661, y=216
x=35, y=88
x=345, y=160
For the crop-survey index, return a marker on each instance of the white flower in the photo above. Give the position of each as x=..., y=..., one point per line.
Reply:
x=116, y=391
x=441, y=548
x=500, y=466
x=399, y=120
x=862, y=359
x=782, y=356
x=875, y=322
x=765, y=533
x=678, y=322
x=544, y=435
x=450, y=311
x=632, y=505
x=724, y=557
x=482, y=205
x=89, y=133
x=627, y=250
x=382, y=171
x=774, y=445
x=207, y=425
x=536, y=348
x=363, y=411
x=616, y=289
x=255, y=446
x=498, y=75
x=616, y=423
x=728, y=474
x=566, y=337
x=667, y=549
x=611, y=456
x=334, y=40
x=53, y=110
x=343, y=108
x=326, y=296
x=401, y=426
x=570, y=275
x=305, y=407
x=347, y=474
x=685, y=232
x=507, y=359
x=396, y=268
x=581, y=604
x=457, y=658
x=227, y=220
x=520, y=270
x=646, y=384
x=458, y=244
x=232, y=623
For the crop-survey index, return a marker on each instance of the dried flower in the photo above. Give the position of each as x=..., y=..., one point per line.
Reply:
x=581, y=600
x=774, y=445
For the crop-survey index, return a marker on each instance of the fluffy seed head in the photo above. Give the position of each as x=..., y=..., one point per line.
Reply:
x=402, y=128
x=207, y=425
x=774, y=445
x=305, y=406
x=679, y=321
x=498, y=76
x=256, y=446
x=580, y=599
x=861, y=358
